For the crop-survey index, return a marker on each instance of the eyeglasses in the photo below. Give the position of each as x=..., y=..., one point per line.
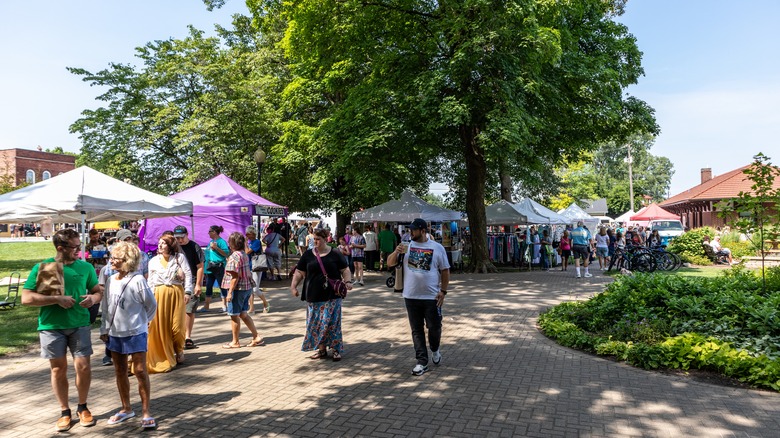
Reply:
x=71, y=246
x=117, y=259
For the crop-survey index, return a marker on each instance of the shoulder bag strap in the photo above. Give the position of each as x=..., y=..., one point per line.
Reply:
x=319, y=260
x=122, y=292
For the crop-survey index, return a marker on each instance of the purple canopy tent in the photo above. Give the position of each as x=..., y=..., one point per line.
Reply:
x=218, y=201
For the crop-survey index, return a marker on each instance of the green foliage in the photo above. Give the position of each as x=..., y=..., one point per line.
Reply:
x=726, y=324
x=688, y=246
x=20, y=324
x=752, y=212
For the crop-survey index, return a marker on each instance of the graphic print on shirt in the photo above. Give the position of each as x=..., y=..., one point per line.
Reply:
x=420, y=259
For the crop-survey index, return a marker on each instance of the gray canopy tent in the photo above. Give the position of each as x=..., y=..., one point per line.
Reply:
x=406, y=209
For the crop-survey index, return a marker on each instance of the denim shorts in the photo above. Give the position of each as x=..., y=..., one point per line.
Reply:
x=239, y=303
x=128, y=344
x=602, y=252
x=55, y=343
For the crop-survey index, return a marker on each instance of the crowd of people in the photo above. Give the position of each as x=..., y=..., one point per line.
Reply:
x=148, y=304
x=583, y=246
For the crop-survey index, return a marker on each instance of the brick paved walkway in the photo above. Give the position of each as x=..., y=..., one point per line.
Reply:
x=499, y=377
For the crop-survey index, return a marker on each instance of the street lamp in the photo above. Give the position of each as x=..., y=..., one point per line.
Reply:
x=259, y=159
x=630, y=178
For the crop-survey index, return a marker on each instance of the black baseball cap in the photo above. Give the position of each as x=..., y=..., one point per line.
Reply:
x=418, y=224
x=180, y=231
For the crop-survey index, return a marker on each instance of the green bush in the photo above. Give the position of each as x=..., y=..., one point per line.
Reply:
x=688, y=246
x=726, y=324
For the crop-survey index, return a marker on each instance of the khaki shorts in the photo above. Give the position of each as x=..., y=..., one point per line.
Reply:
x=55, y=343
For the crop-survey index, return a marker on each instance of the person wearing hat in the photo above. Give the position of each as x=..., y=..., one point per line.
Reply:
x=581, y=239
x=195, y=258
x=426, y=277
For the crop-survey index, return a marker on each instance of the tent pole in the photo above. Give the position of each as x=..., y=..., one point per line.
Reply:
x=83, y=229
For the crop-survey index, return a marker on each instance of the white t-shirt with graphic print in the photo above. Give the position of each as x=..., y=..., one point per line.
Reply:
x=422, y=264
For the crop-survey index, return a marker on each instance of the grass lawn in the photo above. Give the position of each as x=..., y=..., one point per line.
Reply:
x=20, y=323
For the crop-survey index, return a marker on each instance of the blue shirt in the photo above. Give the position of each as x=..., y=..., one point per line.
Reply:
x=580, y=236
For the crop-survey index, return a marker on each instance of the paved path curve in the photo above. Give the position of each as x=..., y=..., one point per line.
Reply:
x=499, y=377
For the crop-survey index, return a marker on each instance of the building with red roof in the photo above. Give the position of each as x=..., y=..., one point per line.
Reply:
x=697, y=206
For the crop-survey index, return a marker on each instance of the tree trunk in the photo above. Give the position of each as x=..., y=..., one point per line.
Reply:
x=476, y=175
x=506, y=185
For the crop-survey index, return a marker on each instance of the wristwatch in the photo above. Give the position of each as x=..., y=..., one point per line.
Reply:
x=444, y=292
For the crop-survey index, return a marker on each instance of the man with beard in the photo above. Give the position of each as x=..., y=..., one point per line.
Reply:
x=426, y=277
x=63, y=322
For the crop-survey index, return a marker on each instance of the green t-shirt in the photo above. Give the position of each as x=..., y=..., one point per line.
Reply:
x=387, y=241
x=80, y=278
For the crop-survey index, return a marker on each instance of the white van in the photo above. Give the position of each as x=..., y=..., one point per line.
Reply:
x=668, y=229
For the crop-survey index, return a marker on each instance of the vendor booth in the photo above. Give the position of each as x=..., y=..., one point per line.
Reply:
x=86, y=195
x=574, y=213
x=218, y=201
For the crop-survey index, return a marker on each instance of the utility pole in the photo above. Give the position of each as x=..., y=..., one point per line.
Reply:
x=630, y=179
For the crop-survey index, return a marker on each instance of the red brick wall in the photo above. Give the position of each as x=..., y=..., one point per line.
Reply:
x=19, y=161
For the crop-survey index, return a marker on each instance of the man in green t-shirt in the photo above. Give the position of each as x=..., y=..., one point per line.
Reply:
x=63, y=323
x=387, y=243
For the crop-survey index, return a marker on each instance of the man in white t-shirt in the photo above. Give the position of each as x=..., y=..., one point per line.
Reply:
x=426, y=277
x=371, y=250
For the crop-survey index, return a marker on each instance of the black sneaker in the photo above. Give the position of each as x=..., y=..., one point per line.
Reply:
x=419, y=370
x=107, y=362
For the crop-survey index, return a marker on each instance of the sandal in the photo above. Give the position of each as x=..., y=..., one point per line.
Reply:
x=148, y=423
x=320, y=354
x=336, y=356
x=230, y=345
x=120, y=417
x=188, y=344
x=256, y=343
x=180, y=358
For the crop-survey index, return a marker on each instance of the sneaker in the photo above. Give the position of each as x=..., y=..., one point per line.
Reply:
x=588, y=275
x=436, y=358
x=578, y=276
x=360, y=283
x=419, y=370
x=107, y=361
x=86, y=419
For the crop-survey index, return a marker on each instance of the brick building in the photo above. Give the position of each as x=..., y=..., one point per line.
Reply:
x=32, y=166
x=698, y=206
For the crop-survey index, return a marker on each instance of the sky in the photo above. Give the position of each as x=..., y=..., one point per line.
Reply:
x=710, y=70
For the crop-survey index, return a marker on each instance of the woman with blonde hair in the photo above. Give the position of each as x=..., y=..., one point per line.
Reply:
x=171, y=278
x=255, y=247
x=127, y=308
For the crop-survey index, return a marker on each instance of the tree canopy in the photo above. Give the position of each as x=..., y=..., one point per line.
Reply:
x=458, y=89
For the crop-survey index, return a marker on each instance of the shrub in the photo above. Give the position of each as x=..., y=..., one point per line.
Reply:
x=688, y=246
x=729, y=324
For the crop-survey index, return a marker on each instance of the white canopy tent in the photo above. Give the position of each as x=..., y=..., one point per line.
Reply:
x=546, y=215
x=86, y=195
x=406, y=209
x=575, y=213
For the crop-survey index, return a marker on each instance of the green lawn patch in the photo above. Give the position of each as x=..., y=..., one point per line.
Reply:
x=20, y=323
x=727, y=324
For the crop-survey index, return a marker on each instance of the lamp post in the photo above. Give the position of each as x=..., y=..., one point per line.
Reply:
x=259, y=159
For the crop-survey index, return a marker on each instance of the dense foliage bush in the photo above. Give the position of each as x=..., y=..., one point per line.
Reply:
x=726, y=324
x=688, y=246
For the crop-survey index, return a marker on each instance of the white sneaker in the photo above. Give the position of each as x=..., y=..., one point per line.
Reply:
x=578, y=276
x=588, y=275
x=419, y=370
x=436, y=358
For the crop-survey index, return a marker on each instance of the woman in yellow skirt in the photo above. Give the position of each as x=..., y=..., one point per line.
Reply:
x=171, y=279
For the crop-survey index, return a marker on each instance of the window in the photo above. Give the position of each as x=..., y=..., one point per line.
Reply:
x=46, y=175
x=30, y=176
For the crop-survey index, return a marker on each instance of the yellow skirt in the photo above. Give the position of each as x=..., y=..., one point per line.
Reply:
x=166, y=331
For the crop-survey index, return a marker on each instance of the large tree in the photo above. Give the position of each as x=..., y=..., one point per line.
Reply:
x=466, y=89
x=197, y=107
